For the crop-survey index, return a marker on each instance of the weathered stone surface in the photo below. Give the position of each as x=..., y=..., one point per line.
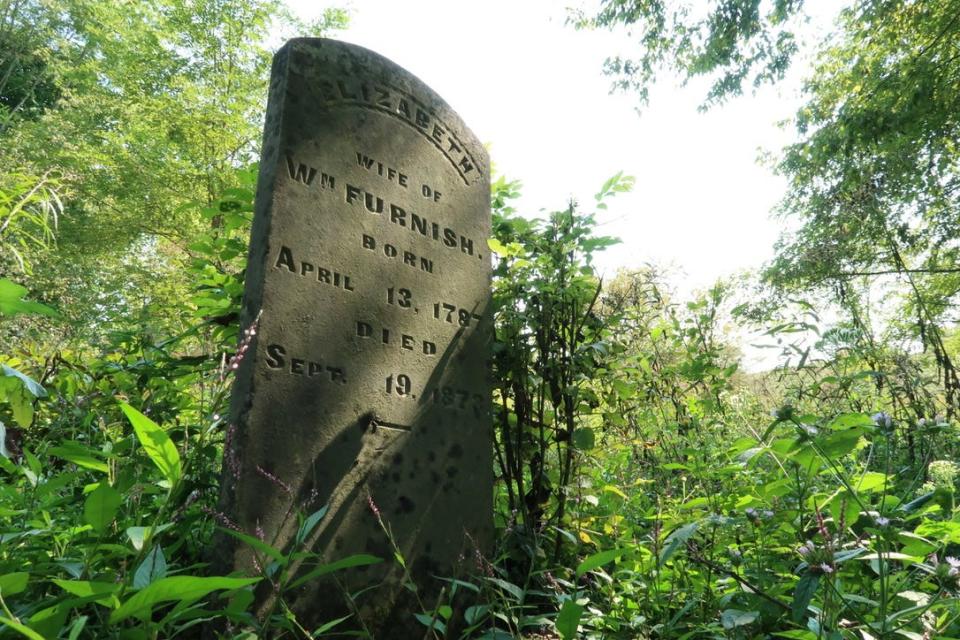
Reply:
x=368, y=377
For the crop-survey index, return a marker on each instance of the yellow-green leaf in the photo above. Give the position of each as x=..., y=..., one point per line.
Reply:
x=155, y=442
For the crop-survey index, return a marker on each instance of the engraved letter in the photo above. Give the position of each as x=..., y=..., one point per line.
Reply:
x=398, y=215
x=368, y=200
x=422, y=118
x=352, y=193
x=450, y=237
x=300, y=172
x=418, y=224
x=275, y=355
x=286, y=259
x=364, y=161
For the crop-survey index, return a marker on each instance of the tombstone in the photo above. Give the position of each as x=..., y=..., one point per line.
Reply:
x=367, y=381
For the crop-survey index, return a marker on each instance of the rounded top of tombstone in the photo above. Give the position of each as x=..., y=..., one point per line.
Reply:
x=337, y=61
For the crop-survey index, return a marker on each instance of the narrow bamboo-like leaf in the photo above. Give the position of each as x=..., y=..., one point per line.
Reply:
x=259, y=545
x=80, y=456
x=21, y=629
x=155, y=442
x=598, y=560
x=358, y=560
x=175, y=589
x=311, y=521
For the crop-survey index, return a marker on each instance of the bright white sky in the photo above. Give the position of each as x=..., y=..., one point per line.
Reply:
x=533, y=89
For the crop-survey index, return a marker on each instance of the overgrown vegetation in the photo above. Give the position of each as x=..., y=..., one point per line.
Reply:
x=646, y=485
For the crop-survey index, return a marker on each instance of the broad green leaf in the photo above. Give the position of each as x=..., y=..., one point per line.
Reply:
x=599, y=559
x=358, y=560
x=614, y=489
x=871, y=481
x=105, y=592
x=139, y=535
x=12, y=301
x=49, y=621
x=175, y=589
x=839, y=443
x=79, y=455
x=676, y=539
x=31, y=385
x=584, y=438
x=624, y=390
x=13, y=583
x=155, y=442
x=432, y=622
x=21, y=629
x=849, y=420
x=569, y=619
x=733, y=618
x=802, y=595
x=101, y=507
x=153, y=567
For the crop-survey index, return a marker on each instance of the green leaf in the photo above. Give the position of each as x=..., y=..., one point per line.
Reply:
x=31, y=385
x=13, y=583
x=21, y=629
x=79, y=455
x=139, y=535
x=431, y=622
x=840, y=443
x=49, y=621
x=733, y=618
x=309, y=523
x=155, y=442
x=104, y=591
x=802, y=595
x=517, y=592
x=101, y=507
x=569, y=619
x=599, y=559
x=258, y=545
x=850, y=420
x=77, y=627
x=12, y=301
x=358, y=560
x=676, y=539
x=584, y=438
x=175, y=589
x=871, y=481
x=153, y=567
